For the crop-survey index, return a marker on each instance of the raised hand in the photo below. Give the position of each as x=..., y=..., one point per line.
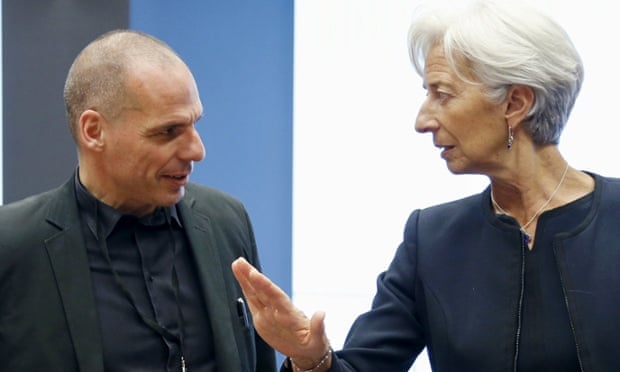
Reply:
x=282, y=325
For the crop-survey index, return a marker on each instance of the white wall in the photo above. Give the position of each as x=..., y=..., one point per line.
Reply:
x=359, y=166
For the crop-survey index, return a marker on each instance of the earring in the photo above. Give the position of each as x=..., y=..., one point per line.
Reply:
x=511, y=137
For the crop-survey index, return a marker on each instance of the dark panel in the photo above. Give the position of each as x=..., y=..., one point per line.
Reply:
x=40, y=40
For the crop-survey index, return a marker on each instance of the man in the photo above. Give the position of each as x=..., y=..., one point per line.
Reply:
x=125, y=267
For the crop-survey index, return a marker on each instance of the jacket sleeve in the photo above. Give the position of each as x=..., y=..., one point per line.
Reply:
x=390, y=336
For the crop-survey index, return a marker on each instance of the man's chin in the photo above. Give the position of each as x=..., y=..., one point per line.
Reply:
x=172, y=198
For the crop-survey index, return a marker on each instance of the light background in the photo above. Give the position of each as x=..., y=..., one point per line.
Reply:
x=359, y=167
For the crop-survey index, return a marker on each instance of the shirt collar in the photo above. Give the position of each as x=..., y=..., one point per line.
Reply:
x=91, y=208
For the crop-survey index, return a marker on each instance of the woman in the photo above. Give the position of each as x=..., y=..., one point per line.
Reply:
x=520, y=277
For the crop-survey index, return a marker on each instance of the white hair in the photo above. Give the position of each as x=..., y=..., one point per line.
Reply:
x=505, y=44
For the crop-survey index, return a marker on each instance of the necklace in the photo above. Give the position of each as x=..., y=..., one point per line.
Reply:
x=524, y=226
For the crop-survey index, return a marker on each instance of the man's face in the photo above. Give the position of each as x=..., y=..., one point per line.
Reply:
x=150, y=147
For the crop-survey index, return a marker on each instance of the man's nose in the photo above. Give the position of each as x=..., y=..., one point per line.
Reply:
x=194, y=149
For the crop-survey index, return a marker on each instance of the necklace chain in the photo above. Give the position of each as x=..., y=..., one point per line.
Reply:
x=524, y=226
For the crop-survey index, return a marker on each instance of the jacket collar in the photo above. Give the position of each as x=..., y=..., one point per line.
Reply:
x=69, y=260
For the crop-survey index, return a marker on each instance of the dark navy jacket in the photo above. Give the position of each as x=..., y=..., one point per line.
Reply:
x=454, y=287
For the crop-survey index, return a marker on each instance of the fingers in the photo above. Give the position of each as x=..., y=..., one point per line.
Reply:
x=241, y=270
x=276, y=319
x=258, y=289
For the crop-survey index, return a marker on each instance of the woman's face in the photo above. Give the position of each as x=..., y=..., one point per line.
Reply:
x=470, y=130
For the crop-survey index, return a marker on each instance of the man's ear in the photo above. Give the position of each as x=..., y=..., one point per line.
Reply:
x=519, y=101
x=90, y=129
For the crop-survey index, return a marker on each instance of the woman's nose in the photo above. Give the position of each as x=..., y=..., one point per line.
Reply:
x=425, y=122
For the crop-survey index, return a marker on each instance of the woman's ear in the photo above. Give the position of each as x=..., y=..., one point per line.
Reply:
x=519, y=101
x=90, y=129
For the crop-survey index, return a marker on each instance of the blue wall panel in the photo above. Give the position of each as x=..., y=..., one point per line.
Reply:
x=241, y=54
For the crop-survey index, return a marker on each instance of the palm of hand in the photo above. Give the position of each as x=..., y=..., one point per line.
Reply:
x=282, y=325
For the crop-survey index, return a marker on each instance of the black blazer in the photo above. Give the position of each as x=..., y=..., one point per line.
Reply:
x=48, y=319
x=456, y=284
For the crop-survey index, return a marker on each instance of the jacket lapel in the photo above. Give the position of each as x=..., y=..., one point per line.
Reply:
x=209, y=266
x=69, y=261
x=70, y=264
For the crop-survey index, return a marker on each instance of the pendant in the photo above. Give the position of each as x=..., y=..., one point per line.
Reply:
x=527, y=238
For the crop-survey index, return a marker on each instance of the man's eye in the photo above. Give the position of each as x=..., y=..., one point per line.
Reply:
x=171, y=131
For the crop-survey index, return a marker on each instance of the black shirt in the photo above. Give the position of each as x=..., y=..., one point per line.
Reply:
x=150, y=271
x=547, y=342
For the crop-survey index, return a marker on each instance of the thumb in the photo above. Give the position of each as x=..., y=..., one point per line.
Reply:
x=317, y=331
x=317, y=323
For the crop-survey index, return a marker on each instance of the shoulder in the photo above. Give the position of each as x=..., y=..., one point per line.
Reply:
x=610, y=183
x=26, y=224
x=455, y=210
x=606, y=189
x=209, y=195
x=211, y=201
x=207, y=192
x=606, y=196
x=447, y=220
x=34, y=206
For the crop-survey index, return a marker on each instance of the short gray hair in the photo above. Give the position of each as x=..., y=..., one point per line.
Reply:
x=97, y=77
x=506, y=44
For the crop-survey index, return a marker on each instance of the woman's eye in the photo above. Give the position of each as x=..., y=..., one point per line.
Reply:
x=442, y=95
